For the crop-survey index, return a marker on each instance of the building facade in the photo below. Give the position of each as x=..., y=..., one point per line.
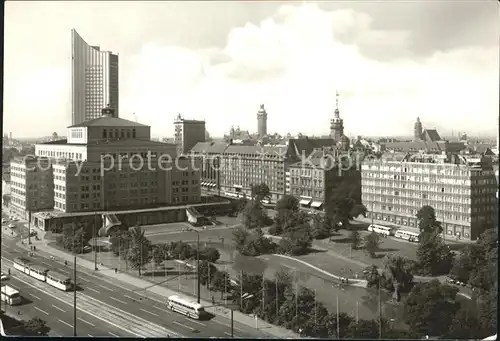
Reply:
x=188, y=133
x=262, y=121
x=106, y=164
x=461, y=191
x=94, y=80
x=30, y=186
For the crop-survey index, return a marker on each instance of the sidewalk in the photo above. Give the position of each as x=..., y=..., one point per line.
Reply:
x=163, y=292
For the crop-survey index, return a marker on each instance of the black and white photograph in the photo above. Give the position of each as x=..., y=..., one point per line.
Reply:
x=250, y=169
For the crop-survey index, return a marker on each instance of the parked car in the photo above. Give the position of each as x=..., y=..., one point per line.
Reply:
x=87, y=248
x=4, y=277
x=11, y=225
x=4, y=221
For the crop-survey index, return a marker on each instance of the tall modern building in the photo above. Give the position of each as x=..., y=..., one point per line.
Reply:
x=188, y=133
x=94, y=80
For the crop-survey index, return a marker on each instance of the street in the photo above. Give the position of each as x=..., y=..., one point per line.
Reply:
x=139, y=315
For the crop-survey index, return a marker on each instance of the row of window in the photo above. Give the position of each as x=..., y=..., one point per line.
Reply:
x=118, y=133
x=62, y=155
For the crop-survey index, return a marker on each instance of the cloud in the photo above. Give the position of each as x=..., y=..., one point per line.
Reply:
x=294, y=61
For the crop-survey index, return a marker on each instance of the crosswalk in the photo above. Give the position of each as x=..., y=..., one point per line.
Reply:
x=130, y=323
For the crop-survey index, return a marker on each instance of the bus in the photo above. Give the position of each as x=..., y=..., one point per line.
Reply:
x=58, y=280
x=407, y=235
x=384, y=230
x=10, y=295
x=185, y=307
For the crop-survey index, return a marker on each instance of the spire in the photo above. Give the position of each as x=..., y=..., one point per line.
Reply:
x=337, y=112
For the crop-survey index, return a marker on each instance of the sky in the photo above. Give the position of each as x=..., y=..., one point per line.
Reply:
x=391, y=62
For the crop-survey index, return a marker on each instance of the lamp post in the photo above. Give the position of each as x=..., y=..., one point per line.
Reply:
x=198, y=263
x=95, y=242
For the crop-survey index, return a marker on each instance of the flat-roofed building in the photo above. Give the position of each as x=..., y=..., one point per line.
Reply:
x=461, y=191
x=188, y=133
x=31, y=185
x=209, y=155
x=110, y=163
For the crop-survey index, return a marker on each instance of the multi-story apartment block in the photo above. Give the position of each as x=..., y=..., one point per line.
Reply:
x=461, y=191
x=239, y=167
x=107, y=164
x=31, y=189
x=209, y=155
x=188, y=133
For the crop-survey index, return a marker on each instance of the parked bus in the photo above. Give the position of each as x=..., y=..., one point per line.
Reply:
x=58, y=280
x=185, y=307
x=384, y=230
x=407, y=235
x=10, y=295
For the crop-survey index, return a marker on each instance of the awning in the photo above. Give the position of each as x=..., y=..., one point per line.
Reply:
x=316, y=204
x=203, y=183
x=305, y=201
x=237, y=186
x=213, y=185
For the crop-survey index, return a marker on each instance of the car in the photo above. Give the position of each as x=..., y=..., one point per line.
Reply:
x=13, y=218
x=33, y=233
x=4, y=221
x=11, y=225
x=87, y=248
x=4, y=277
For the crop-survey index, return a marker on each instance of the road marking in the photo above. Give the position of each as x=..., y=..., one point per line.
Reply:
x=43, y=311
x=59, y=308
x=105, y=287
x=146, y=311
x=127, y=296
x=110, y=333
x=165, y=310
x=183, y=325
x=117, y=300
x=44, y=263
x=69, y=325
x=35, y=296
x=193, y=321
x=87, y=322
x=226, y=325
x=83, y=279
x=63, y=271
x=93, y=290
x=231, y=335
x=5, y=251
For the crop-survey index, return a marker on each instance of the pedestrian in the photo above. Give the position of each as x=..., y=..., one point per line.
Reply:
x=34, y=248
x=213, y=300
x=66, y=263
x=116, y=270
x=9, y=271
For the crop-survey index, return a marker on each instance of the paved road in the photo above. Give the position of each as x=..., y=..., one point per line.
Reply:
x=141, y=316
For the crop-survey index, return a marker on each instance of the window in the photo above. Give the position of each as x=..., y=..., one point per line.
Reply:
x=104, y=133
x=133, y=133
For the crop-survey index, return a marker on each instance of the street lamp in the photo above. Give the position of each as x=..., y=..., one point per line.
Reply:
x=197, y=262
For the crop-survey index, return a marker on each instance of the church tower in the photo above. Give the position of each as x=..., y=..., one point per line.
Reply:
x=262, y=121
x=417, y=130
x=337, y=124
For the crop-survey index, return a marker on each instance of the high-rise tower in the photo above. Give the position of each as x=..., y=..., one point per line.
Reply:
x=337, y=124
x=94, y=80
x=417, y=130
x=262, y=121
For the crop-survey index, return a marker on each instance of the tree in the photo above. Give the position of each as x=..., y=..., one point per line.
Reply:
x=241, y=237
x=371, y=243
x=207, y=271
x=253, y=215
x=75, y=237
x=372, y=276
x=120, y=242
x=357, y=210
x=355, y=238
x=210, y=254
x=434, y=257
x=160, y=253
x=287, y=214
x=319, y=228
x=36, y=327
x=363, y=329
x=139, y=253
x=221, y=282
x=260, y=192
x=398, y=272
x=465, y=323
x=181, y=250
x=430, y=308
x=427, y=222
x=296, y=241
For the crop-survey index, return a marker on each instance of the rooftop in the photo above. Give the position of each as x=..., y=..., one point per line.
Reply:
x=111, y=142
x=107, y=121
x=209, y=147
